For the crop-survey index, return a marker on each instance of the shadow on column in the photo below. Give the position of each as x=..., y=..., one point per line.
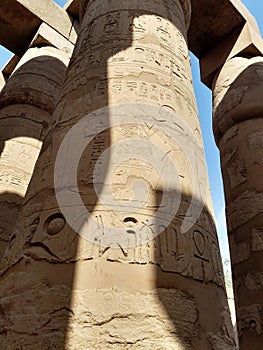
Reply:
x=238, y=130
x=190, y=281
x=25, y=116
x=38, y=311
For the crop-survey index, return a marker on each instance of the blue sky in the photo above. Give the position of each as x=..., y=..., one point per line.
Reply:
x=204, y=101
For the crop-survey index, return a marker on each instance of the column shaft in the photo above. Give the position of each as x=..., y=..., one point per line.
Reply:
x=238, y=128
x=26, y=101
x=127, y=149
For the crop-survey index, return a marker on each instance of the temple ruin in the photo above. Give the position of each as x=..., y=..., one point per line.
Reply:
x=107, y=233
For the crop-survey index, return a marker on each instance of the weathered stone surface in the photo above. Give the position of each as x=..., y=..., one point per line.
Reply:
x=240, y=210
x=237, y=93
x=214, y=21
x=238, y=126
x=93, y=291
x=205, y=34
x=248, y=42
x=240, y=251
x=211, y=23
x=27, y=101
x=20, y=19
x=173, y=278
x=44, y=68
x=46, y=35
x=253, y=281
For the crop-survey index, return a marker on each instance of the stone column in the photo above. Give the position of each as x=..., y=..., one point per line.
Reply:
x=238, y=129
x=143, y=269
x=27, y=102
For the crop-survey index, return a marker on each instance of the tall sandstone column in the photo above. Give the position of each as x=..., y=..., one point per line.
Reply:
x=27, y=102
x=127, y=275
x=238, y=129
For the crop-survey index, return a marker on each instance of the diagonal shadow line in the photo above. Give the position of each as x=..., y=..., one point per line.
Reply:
x=56, y=270
x=25, y=117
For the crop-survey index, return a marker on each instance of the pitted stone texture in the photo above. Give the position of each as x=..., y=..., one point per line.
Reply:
x=133, y=318
x=238, y=125
x=27, y=101
x=21, y=135
x=138, y=62
x=242, y=145
x=37, y=79
x=237, y=93
x=126, y=320
x=248, y=42
x=185, y=7
x=154, y=295
x=23, y=18
x=47, y=35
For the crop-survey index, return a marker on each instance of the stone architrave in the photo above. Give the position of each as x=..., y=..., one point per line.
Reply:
x=238, y=130
x=27, y=102
x=102, y=256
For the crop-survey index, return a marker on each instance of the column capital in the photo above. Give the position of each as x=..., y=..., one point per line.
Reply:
x=37, y=79
x=185, y=4
x=237, y=93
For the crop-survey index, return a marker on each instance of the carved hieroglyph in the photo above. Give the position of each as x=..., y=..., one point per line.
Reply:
x=27, y=102
x=238, y=127
x=88, y=290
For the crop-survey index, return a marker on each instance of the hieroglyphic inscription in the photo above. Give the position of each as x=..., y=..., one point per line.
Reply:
x=240, y=250
x=168, y=69
x=237, y=172
x=133, y=23
x=10, y=181
x=253, y=280
x=16, y=170
x=249, y=318
x=257, y=239
x=200, y=253
x=241, y=209
x=255, y=140
x=146, y=24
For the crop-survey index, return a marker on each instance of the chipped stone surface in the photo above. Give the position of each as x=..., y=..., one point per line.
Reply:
x=47, y=35
x=249, y=317
x=240, y=250
x=23, y=18
x=220, y=343
x=236, y=94
x=255, y=140
x=254, y=280
x=238, y=131
x=257, y=239
x=82, y=293
x=27, y=101
x=237, y=173
x=240, y=211
x=142, y=313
